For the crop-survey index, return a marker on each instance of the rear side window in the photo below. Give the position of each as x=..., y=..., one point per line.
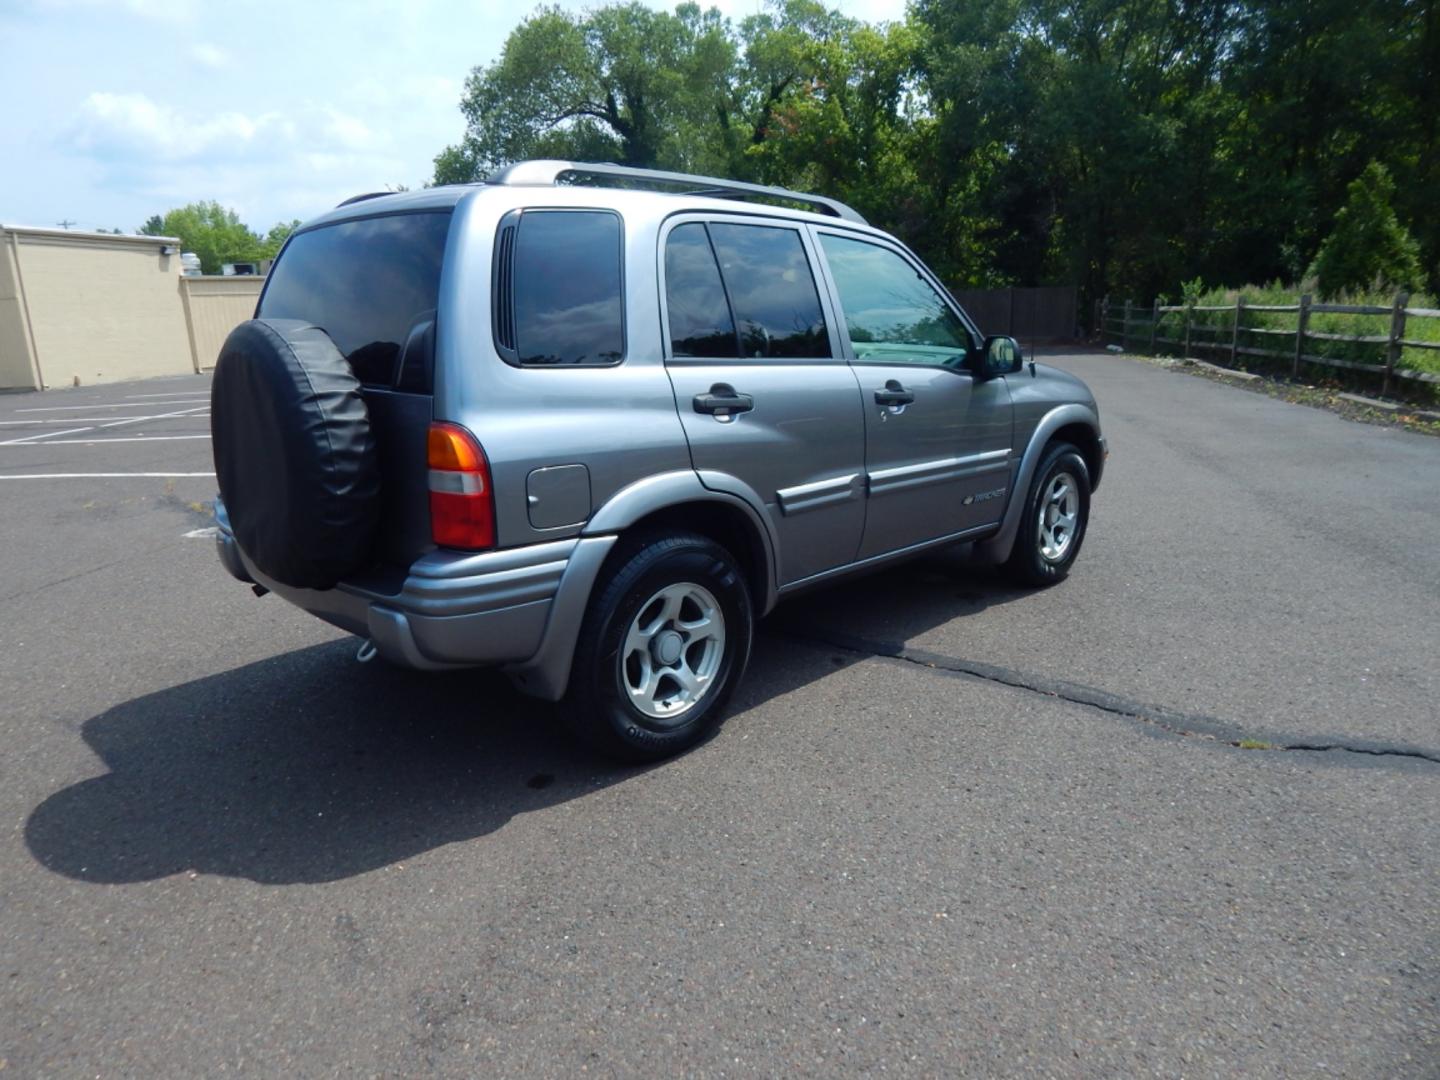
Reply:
x=558, y=298
x=366, y=283
x=772, y=292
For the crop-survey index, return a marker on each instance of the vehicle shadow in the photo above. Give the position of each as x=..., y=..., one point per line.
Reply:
x=308, y=767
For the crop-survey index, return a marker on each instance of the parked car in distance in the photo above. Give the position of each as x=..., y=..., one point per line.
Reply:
x=587, y=424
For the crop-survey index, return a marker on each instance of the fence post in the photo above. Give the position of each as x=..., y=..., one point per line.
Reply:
x=1302, y=320
x=1397, y=331
x=1010, y=315
x=1235, y=332
x=1189, y=305
x=1104, y=317
x=1154, y=323
x=1125, y=328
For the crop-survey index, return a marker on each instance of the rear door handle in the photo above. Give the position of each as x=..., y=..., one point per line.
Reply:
x=723, y=402
x=892, y=393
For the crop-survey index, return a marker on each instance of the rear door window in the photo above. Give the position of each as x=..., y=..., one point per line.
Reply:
x=367, y=283
x=701, y=323
x=772, y=291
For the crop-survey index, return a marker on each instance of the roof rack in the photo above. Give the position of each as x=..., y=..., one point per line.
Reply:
x=546, y=172
x=362, y=198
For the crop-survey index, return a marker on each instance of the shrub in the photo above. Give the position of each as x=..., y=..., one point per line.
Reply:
x=1368, y=248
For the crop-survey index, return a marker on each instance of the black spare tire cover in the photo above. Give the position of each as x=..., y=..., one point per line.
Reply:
x=294, y=453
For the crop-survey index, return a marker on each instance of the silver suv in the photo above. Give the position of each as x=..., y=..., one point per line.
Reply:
x=588, y=423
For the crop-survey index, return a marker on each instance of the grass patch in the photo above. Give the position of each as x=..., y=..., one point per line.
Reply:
x=1211, y=333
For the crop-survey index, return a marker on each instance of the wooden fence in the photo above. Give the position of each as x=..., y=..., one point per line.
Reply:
x=1048, y=313
x=1149, y=318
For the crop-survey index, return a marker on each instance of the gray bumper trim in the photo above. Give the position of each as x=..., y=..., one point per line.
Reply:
x=454, y=609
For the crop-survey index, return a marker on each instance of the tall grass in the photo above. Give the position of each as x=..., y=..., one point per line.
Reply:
x=1211, y=332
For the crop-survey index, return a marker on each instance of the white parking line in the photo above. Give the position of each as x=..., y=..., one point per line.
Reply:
x=161, y=416
x=97, y=441
x=96, y=475
x=122, y=405
x=26, y=440
x=173, y=393
x=53, y=436
x=198, y=415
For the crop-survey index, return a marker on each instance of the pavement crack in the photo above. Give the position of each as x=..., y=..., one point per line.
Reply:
x=1171, y=721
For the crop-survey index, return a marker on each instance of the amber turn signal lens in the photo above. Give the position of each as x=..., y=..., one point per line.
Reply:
x=452, y=447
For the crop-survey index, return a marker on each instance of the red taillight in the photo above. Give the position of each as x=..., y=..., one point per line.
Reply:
x=462, y=507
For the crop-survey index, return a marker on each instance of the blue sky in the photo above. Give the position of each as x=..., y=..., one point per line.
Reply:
x=118, y=109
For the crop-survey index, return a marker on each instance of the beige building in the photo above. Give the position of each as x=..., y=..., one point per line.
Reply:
x=94, y=307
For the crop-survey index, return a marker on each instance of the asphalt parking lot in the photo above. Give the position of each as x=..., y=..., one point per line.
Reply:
x=1179, y=816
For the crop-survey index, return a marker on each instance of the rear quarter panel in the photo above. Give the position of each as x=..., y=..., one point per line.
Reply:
x=619, y=422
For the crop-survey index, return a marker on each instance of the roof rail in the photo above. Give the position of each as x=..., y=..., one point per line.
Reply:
x=362, y=198
x=546, y=172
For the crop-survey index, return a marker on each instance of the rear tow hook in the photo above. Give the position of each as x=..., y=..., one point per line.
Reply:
x=366, y=652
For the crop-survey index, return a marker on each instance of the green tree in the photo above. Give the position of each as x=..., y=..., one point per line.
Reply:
x=276, y=237
x=212, y=232
x=1368, y=246
x=1120, y=144
x=621, y=83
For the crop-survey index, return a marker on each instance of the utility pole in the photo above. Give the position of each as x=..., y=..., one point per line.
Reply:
x=65, y=224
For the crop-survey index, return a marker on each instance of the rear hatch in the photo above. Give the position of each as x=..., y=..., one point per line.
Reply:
x=372, y=284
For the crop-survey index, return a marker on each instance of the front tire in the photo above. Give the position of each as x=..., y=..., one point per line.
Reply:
x=665, y=640
x=1053, y=523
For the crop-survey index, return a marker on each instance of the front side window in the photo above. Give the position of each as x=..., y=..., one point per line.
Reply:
x=566, y=288
x=365, y=282
x=772, y=291
x=892, y=313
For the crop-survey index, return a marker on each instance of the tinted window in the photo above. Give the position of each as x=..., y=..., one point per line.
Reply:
x=772, y=291
x=700, y=319
x=366, y=283
x=892, y=313
x=567, y=288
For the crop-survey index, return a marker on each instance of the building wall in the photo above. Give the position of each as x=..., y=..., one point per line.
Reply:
x=17, y=359
x=213, y=307
x=100, y=308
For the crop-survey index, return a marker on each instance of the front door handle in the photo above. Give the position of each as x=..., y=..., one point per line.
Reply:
x=892, y=393
x=722, y=402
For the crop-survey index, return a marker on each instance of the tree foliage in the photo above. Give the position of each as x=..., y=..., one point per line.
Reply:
x=1126, y=145
x=1368, y=247
x=217, y=235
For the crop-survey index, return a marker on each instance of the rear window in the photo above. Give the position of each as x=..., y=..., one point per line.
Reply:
x=366, y=283
x=558, y=301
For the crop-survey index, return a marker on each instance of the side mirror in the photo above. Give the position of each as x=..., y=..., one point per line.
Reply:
x=1000, y=355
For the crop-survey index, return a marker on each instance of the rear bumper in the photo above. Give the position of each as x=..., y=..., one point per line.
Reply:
x=519, y=608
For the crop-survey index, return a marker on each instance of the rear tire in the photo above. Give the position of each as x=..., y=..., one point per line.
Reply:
x=1053, y=523
x=665, y=640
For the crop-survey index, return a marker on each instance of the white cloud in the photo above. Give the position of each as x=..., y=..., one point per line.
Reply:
x=132, y=123
x=157, y=10
x=210, y=56
x=132, y=126
x=272, y=164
